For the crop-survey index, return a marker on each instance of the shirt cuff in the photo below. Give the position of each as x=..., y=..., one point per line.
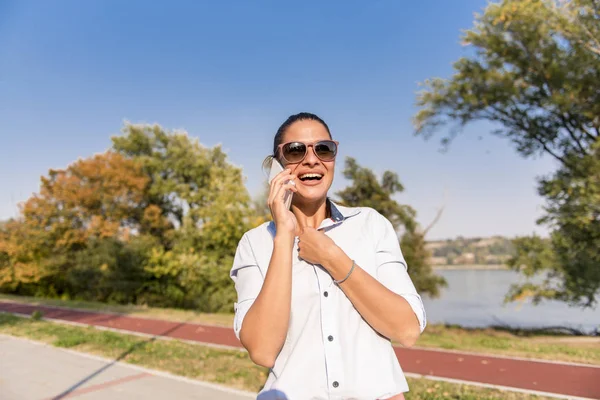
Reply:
x=241, y=309
x=415, y=302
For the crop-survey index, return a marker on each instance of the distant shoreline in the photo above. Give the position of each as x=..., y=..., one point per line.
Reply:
x=491, y=267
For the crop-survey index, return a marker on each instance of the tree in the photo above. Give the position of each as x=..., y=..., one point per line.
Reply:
x=95, y=197
x=367, y=191
x=571, y=255
x=261, y=208
x=535, y=74
x=189, y=183
x=207, y=208
x=155, y=220
x=92, y=199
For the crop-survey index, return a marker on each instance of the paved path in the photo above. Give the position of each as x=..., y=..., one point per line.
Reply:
x=559, y=378
x=34, y=371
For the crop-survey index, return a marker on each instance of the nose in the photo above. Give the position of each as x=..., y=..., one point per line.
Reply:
x=311, y=158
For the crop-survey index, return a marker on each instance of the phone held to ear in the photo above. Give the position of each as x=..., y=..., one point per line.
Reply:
x=276, y=168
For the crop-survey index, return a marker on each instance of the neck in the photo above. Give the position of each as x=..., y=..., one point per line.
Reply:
x=310, y=214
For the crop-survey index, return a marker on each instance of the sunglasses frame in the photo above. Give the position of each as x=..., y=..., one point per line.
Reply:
x=307, y=145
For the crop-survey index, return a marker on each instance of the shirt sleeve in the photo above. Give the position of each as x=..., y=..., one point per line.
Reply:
x=248, y=280
x=392, y=269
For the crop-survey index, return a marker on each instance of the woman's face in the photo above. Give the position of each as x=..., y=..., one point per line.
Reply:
x=310, y=188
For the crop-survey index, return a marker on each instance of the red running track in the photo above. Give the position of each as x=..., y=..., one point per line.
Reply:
x=558, y=378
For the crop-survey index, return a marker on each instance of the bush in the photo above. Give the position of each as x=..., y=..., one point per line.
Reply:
x=37, y=315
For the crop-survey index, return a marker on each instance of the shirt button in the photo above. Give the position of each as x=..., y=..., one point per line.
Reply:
x=330, y=338
x=335, y=384
x=325, y=294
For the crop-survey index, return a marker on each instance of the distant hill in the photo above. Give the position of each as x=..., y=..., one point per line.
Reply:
x=495, y=250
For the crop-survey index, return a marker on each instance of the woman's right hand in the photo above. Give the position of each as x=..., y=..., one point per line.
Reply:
x=284, y=219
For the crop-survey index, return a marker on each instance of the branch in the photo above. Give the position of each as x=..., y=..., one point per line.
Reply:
x=435, y=220
x=548, y=92
x=571, y=133
x=595, y=49
x=577, y=21
x=534, y=137
x=588, y=134
x=547, y=149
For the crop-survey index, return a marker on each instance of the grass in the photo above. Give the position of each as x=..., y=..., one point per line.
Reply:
x=526, y=344
x=226, y=367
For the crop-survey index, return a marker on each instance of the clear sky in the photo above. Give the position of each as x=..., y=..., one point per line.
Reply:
x=229, y=72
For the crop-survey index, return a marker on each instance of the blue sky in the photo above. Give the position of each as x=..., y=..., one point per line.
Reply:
x=71, y=73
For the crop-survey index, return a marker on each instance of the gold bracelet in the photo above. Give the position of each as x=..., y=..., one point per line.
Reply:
x=347, y=276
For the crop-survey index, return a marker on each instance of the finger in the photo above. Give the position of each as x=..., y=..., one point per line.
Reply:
x=279, y=188
x=282, y=176
x=288, y=187
x=279, y=181
x=274, y=188
x=283, y=173
x=278, y=195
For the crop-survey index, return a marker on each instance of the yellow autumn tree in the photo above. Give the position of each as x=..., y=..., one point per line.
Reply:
x=92, y=199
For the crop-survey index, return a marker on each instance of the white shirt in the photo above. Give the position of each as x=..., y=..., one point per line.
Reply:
x=330, y=352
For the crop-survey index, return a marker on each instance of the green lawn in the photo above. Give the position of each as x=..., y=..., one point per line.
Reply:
x=492, y=341
x=528, y=345
x=227, y=367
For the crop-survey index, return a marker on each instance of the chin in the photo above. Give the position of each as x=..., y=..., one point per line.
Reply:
x=311, y=194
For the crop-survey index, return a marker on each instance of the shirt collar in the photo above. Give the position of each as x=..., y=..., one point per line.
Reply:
x=340, y=213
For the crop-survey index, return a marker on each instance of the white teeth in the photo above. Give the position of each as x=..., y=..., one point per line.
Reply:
x=311, y=176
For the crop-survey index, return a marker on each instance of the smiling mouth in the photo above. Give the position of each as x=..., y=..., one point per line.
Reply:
x=310, y=177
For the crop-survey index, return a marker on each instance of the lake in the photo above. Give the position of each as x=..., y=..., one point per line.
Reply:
x=474, y=298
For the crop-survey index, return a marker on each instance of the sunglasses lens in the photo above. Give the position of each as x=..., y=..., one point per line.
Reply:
x=294, y=152
x=326, y=150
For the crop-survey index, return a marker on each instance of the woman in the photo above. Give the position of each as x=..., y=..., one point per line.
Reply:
x=322, y=289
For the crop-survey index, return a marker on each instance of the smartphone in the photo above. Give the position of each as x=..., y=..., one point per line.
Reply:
x=276, y=168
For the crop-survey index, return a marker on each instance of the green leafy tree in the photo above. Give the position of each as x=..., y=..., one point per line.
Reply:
x=261, y=208
x=535, y=74
x=570, y=258
x=111, y=270
x=189, y=183
x=367, y=191
x=202, y=209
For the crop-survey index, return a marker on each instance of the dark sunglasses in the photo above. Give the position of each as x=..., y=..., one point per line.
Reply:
x=295, y=152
